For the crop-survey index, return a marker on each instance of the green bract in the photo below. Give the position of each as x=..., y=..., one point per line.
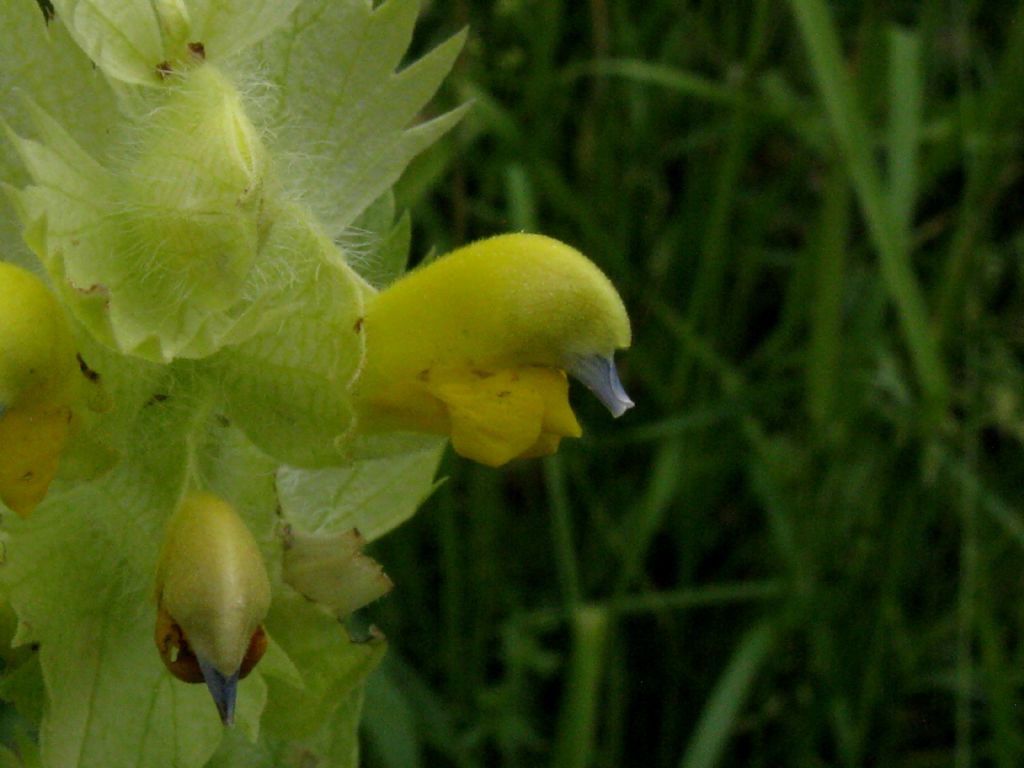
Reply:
x=182, y=171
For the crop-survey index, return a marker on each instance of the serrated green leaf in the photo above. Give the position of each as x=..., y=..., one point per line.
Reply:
x=354, y=131
x=288, y=386
x=390, y=255
x=376, y=245
x=376, y=220
x=42, y=62
x=371, y=495
x=225, y=27
x=333, y=669
x=122, y=37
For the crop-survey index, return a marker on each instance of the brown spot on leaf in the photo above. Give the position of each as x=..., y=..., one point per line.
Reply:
x=48, y=11
x=88, y=372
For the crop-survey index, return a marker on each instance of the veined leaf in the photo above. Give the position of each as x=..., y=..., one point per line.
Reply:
x=138, y=41
x=122, y=37
x=344, y=108
x=39, y=61
x=225, y=27
x=288, y=385
x=372, y=495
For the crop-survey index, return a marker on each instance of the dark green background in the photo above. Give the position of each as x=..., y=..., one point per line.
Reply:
x=804, y=545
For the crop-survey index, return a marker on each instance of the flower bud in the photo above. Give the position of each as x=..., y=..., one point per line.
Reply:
x=212, y=595
x=189, y=233
x=153, y=256
x=477, y=345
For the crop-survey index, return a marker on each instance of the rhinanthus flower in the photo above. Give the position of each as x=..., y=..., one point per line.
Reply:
x=188, y=219
x=477, y=345
x=212, y=595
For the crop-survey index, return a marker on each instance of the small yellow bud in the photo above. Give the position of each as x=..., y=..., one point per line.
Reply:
x=212, y=596
x=477, y=345
x=39, y=387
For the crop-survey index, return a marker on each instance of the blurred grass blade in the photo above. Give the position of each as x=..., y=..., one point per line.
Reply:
x=672, y=78
x=851, y=132
x=713, y=267
x=698, y=597
x=389, y=723
x=577, y=723
x=967, y=610
x=718, y=719
x=643, y=521
x=829, y=253
x=705, y=596
x=561, y=522
x=521, y=200
x=906, y=97
x=986, y=116
x=1000, y=689
x=436, y=722
x=1006, y=517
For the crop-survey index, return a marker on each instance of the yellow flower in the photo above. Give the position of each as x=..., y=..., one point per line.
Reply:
x=212, y=595
x=477, y=345
x=39, y=387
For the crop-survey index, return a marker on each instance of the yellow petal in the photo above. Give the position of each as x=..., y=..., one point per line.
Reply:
x=502, y=415
x=37, y=352
x=32, y=440
x=493, y=420
x=558, y=416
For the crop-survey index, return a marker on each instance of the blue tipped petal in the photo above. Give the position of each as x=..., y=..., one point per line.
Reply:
x=223, y=689
x=599, y=375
